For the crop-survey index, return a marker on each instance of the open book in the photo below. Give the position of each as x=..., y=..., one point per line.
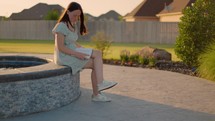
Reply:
x=87, y=51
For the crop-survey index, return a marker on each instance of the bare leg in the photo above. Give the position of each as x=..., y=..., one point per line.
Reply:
x=94, y=83
x=96, y=64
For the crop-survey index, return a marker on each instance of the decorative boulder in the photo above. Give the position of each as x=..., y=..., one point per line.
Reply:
x=161, y=54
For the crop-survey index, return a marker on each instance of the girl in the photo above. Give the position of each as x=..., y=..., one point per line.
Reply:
x=68, y=52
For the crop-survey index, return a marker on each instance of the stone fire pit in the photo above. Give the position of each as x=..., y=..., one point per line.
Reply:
x=31, y=84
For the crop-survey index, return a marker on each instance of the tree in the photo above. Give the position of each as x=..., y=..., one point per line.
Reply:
x=52, y=15
x=4, y=18
x=196, y=31
x=102, y=42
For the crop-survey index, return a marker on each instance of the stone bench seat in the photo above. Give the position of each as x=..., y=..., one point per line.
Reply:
x=37, y=88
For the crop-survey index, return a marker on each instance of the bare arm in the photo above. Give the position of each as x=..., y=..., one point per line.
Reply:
x=59, y=44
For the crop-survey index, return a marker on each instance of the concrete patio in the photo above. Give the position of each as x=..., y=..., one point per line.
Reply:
x=141, y=95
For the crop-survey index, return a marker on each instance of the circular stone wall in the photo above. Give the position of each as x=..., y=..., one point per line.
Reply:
x=37, y=88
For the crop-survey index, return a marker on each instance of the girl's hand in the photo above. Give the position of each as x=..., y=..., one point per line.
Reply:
x=78, y=45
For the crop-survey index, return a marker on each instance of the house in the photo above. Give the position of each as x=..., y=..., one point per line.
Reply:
x=173, y=11
x=37, y=12
x=40, y=10
x=89, y=17
x=159, y=10
x=147, y=10
x=109, y=16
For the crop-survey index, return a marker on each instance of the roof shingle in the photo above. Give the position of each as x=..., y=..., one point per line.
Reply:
x=177, y=6
x=37, y=12
x=149, y=8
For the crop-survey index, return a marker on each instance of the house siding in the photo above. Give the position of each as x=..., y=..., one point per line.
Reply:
x=171, y=18
x=138, y=19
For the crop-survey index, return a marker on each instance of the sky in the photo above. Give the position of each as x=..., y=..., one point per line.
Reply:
x=93, y=7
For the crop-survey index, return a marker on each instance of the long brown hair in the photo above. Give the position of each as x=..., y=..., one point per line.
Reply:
x=65, y=18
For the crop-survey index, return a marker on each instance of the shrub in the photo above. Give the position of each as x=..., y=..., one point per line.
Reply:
x=152, y=61
x=134, y=58
x=102, y=42
x=124, y=56
x=146, y=52
x=206, y=67
x=52, y=15
x=143, y=60
x=196, y=31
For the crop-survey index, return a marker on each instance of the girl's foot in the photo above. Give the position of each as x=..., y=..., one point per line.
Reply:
x=100, y=98
x=106, y=85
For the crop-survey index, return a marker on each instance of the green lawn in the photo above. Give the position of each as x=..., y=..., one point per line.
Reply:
x=26, y=46
x=47, y=46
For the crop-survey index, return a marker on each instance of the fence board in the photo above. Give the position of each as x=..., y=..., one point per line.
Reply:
x=131, y=32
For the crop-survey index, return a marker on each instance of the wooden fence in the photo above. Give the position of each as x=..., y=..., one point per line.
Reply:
x=131, y=32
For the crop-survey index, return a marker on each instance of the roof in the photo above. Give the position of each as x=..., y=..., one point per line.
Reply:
x=177, y=6
x=149, y=8
x=111, y=15
x=37, y=12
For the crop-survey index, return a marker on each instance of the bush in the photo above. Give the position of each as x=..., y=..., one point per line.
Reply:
x=152, y=61
x=206, y=67
x=196, y=31
x=134, y=58
x=137, y=58
x=143, y=60
x=52, y=15
x=102, y=42
x=124, y=56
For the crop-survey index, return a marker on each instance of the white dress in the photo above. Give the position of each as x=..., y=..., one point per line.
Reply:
x=67, y=60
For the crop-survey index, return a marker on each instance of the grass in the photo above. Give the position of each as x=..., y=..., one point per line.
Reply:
x=116, y=48
x=206, y=67
x=26, y=46
x=47, y=47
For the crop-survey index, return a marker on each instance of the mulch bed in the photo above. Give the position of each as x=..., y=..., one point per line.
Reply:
x=160, y=65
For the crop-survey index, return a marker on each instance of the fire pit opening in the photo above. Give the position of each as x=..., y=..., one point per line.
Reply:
x=20, y=61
